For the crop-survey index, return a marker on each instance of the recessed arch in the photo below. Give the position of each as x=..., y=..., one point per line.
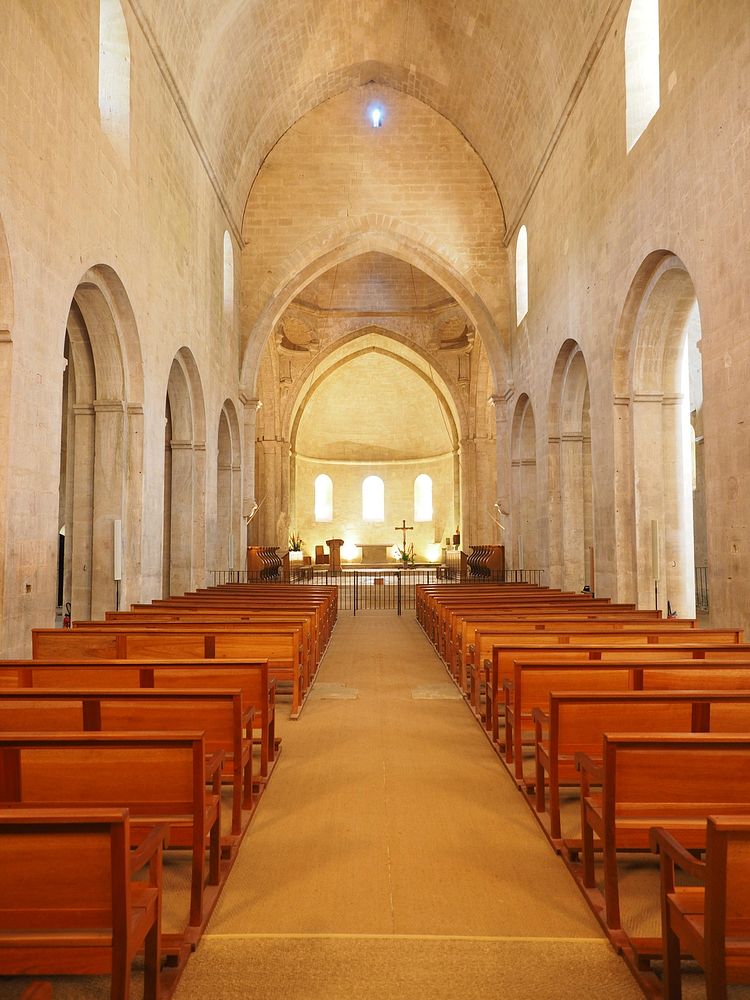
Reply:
x=227, y=542
x=523, y=548
x=184, y=525
x=657, y=382
x=569, y=473
x=101, y=455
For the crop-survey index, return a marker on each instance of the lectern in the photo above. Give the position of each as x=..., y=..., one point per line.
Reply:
x=334, y=547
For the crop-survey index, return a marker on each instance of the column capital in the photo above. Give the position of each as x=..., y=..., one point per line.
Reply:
x=250, y=402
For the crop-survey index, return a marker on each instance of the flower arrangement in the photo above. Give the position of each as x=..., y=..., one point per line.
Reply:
x=295, y=543
x=406, y=555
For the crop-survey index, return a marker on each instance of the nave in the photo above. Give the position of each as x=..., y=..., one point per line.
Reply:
x=392, y=855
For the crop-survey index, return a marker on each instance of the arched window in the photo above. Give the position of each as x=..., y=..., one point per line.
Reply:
x=522, y=274
x=228, y=275
x=373, y=499
x=324, y=498
x=114, y=75
x=423, y=498
x=641, y=68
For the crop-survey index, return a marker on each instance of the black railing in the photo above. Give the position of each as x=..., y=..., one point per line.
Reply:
x=701, y=589
x=372, y=589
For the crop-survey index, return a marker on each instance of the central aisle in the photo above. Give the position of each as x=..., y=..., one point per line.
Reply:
x=392, y=855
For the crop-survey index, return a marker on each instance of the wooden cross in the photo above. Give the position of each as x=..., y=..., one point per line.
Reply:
x=403, y=527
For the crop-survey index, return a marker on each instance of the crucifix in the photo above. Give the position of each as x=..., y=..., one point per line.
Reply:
x=403, y=527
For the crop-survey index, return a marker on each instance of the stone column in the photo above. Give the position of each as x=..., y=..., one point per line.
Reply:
x=503, y=510
x=83, y=502
x=181, y=534
x=132, y=526
x=108, y=500
x=250, y=414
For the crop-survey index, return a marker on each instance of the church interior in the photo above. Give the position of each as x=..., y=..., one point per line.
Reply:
x=379, y=284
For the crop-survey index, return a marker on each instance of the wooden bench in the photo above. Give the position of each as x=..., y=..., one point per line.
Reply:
x=160, y=778
x=531, y=684
x=674, y=781
x=218, y=714
x=575, y=722
x=249, y=676
x=600, y=648
x=282, y=648
x=69, y=902
x=710, y=921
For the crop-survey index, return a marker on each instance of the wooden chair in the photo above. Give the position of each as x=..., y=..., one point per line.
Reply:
x=69, y=902
x=710, y=921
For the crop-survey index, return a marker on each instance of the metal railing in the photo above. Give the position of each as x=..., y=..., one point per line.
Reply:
x=371, y=589
x=701, y=589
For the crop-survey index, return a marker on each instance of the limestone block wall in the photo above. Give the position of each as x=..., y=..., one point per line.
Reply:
x=398, y=479
x=68, y=202
x=595, y=216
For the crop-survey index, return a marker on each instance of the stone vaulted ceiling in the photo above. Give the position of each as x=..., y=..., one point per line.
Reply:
x=502, y=71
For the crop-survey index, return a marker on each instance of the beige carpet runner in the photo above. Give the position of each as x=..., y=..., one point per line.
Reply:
x=391, y=856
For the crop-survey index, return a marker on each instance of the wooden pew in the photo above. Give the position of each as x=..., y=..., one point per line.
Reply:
x=530, y=686
x=250, y=677
x=218, y=714
x=69, y=902
x=576, y=721
x=487, y=636
x=710, y=921
x=600, y=648
x=282, y=648
x=674, y=781
x=160, y=778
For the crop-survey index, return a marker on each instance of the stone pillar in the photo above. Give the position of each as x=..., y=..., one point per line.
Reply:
x=132, y=526
x=108, y=501
x=83, y=502
x=504, y=513
x=181, y=534
x=251, y=405
x=572, y=520
x=198, y=560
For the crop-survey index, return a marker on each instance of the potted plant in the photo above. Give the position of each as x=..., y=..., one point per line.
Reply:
x=295, y=548
x=406, y=555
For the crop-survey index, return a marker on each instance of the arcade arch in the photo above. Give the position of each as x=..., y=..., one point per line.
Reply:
x=184, y=529
x=662, y=512
x=101, y=455
x=524, y=498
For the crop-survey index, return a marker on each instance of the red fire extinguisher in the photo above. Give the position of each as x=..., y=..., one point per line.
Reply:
x=66, y=616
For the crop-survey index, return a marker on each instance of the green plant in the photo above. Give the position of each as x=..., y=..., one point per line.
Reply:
x=406, y=555
x=295, y=543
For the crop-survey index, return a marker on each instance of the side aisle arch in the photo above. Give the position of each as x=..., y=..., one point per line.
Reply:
x=658, y=391
x=184, y=529
x=101, y=456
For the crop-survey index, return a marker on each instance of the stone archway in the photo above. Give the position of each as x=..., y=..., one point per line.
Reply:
x=184, y=527
x=522, y=548
x=571, y=502
x=657, y=383
x=101, y=455
x=227, y=543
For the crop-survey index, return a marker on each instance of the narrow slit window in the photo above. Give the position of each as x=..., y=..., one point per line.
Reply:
x=423, y=498
x=642, y=90
x=522, y=274
x=114, y=76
